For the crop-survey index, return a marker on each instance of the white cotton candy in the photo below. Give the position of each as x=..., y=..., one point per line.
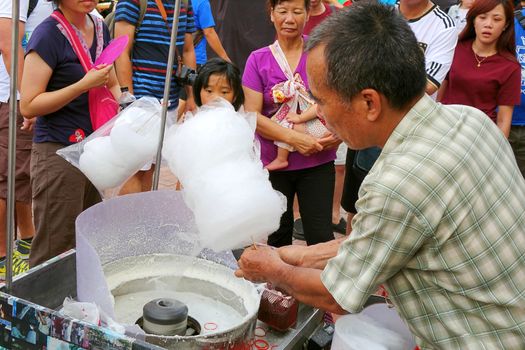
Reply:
x=101, y=165
x=224, y=182
x=108, y=161
x=212, y=141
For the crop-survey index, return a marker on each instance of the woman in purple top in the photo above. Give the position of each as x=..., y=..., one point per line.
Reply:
x=310, y=170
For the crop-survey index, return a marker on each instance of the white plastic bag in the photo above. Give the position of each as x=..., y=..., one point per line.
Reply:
x=90, y=312
x=118, y=149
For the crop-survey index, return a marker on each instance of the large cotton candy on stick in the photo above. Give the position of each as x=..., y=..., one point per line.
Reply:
x=224, y=182
x=232, y=138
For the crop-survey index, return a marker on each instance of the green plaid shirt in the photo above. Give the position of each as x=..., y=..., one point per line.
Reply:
x=441, y=222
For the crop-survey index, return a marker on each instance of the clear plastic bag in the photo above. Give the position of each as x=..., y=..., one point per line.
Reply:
x=118, y=149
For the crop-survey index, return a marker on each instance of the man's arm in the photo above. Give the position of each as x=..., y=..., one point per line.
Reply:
x=314, y=257
x=123, y=67
x=215, y=43
x=438, y=58
x=304, y=284
x=6, y=46
x=188, y=58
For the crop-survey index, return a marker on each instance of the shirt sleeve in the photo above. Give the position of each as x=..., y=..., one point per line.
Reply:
x=6, y=9
x=386, y=235
x=251, y=77
x=128, y=11
x=510, y=91
x=439, y=55
x=205, y=17
x=47, y=42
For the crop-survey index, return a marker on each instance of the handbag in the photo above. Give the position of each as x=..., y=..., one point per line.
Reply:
x=102, y=103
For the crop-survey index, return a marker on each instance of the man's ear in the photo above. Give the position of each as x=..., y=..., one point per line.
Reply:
x=373, y=103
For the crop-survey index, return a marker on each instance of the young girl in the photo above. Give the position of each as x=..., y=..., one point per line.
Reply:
x=484, y=72
x=218, y=78
x=459, y=13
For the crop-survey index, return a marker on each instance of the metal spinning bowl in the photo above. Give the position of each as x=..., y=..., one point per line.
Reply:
x=224, y=306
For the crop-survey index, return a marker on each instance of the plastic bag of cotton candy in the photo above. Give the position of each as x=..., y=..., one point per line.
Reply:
x=214, y=155
x=121, y=147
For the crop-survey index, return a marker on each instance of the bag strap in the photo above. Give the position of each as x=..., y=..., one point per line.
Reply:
x=143, y=6
x=164, y=15
x=280, y=57
x=73, y=40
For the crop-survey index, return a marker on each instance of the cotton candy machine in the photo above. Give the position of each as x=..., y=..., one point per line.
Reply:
x=137, y=244
x=183, y=302
x=139, y=258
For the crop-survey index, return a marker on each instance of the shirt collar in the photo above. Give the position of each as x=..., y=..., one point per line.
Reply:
x=419, y=112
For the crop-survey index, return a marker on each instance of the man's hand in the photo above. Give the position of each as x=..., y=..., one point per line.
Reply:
x=259, y=265
x=293, y=254
x=28, y=124
x=329, y=141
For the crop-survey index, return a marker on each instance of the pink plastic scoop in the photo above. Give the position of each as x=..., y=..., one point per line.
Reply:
x=112, y=51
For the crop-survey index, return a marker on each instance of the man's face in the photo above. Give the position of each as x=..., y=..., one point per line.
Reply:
x=346, y=119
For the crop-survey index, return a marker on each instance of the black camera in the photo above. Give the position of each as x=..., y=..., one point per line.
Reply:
x=185, y=76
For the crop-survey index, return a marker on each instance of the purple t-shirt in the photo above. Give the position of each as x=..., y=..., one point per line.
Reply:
x=261, y=73
x=71, y=121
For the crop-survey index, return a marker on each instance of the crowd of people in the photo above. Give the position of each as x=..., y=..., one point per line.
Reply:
x=409, y=115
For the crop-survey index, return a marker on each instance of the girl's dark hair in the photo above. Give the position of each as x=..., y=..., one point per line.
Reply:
x=506, y=44
x=224, y=68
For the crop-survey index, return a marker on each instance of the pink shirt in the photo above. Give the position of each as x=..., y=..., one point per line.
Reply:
x=261, y=73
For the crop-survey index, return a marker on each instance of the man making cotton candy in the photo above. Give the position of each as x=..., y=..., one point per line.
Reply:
x=440, y=218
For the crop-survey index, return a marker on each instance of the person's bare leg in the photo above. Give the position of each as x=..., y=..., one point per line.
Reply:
x=24, y=220
x=281, y=161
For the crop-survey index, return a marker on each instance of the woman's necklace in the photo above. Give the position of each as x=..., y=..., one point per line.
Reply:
x=480, y=61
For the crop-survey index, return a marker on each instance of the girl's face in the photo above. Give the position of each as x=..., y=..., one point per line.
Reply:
x=217, y=86
x=289, y=18
x=490, y=25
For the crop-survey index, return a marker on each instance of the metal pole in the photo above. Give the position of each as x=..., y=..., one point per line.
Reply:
x=11, y=158
x=166, y=98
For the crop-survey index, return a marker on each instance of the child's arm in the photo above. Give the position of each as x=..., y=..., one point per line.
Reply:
x=303, y=143
x=309, y=114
